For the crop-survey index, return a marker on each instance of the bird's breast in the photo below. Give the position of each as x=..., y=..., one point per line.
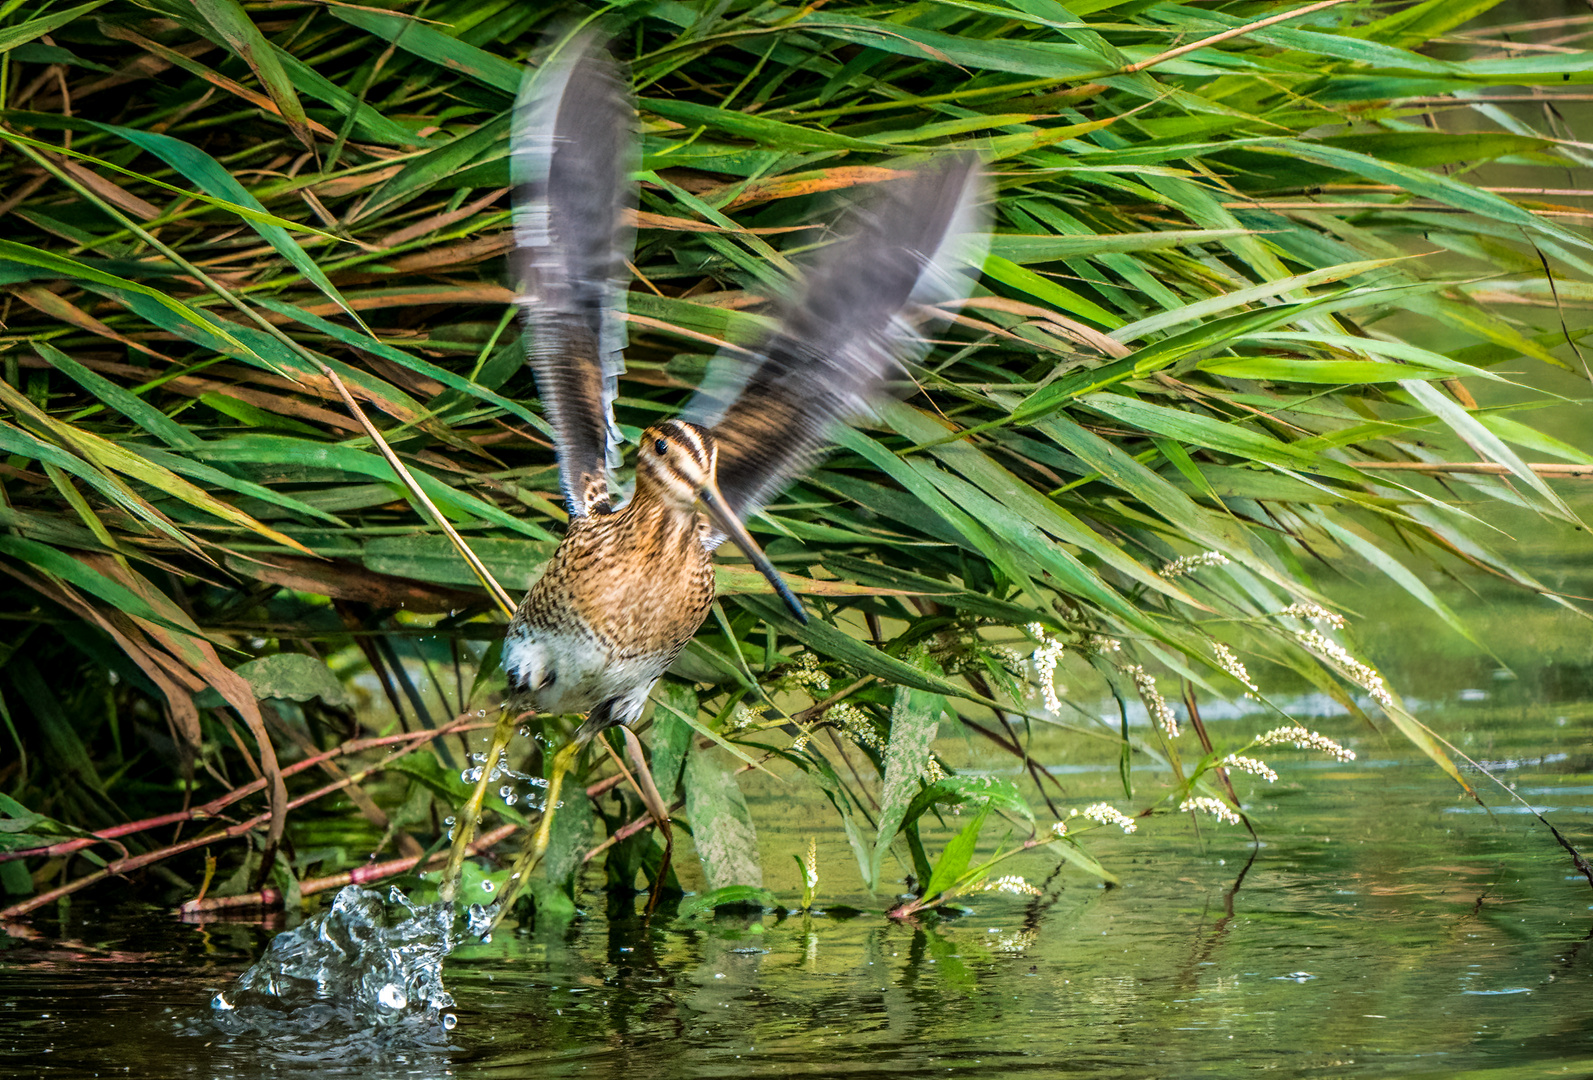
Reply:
x=618, y=600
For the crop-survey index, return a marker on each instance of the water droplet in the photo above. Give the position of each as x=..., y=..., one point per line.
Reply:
x=487, y=886
x=465, y=775
x=510, y=799
x=525, y=731
x=448, y=821
x=449, y=1021
x=392, y=997
x=505, y=791
x=481, y=712
x=450, y=834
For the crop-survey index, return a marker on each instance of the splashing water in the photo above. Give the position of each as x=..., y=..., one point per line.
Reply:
x=364, y=968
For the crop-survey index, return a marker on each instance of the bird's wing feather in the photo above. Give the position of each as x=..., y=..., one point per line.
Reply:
x=572, y=152
x=840, y=345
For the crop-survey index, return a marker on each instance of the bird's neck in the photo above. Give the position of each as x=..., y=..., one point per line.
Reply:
x=655, y=522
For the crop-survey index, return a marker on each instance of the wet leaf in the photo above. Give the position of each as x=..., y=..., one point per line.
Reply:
x=728, y=896
x=953, y=861
x=721, y=826
x=915, y=718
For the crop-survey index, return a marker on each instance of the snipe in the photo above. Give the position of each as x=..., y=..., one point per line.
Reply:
x=632, y=581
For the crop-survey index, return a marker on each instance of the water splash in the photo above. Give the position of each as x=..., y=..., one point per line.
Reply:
x=365, y=968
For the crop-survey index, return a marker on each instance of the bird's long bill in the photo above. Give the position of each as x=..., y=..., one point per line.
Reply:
x=731, y=526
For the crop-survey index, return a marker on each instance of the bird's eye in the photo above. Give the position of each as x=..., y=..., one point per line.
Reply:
x=660, y=447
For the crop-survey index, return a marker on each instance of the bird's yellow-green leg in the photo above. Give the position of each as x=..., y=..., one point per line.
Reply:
x=657, y=807
x=470, y=813
x=646, y=787
x=531, y=854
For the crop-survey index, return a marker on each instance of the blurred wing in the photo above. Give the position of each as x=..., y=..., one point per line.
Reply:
x=572, y=151
x=842, y=343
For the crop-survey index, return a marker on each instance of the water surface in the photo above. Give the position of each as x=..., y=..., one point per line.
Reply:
x=1386, y=925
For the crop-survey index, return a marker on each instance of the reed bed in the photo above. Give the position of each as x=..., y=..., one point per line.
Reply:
x=1244, y=284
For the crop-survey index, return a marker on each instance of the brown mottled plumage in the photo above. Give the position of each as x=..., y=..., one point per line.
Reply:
x=623, y=593
x=630, y=586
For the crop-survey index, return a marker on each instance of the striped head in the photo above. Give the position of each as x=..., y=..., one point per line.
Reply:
x=676, y=467
x=676, y=462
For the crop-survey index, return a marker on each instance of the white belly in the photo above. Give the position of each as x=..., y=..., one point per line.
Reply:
x=563, y=672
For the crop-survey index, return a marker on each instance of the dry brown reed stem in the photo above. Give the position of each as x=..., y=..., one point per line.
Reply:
x=131, y=863
x=215, y=806
x=365, y=875
x=360, y=875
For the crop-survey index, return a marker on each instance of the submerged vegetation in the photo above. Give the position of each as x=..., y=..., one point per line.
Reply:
x=1242, y=290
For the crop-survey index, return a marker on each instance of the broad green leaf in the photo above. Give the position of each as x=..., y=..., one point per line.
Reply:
x=293, y=677
x=1054, y=61
x=721, y=827
x=365, y=342
x=749, y=895
x=430, y=44
x=953, y=861
x=431, y=168
x=1024, y=250
x=1400, y=574
x=1044, y=289
x=671, y=736
x=515, y=563
x=915, y=716
x=16, y=441
x=569, y=840
x=70, y=269
x=988, y=791
x=244, y=38
x=129, y=405
x=21, y=828
x=1231, y=438
x=841, y=646
x=1432, y=185
x=368, y=123
x=1329, y=372
x=756, y=128
x=276, y=449
x=21, y=33
x=1241, y=297
x=75, y=573
x=1522, y=435
x=1400, y=350
x=1069, y=850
